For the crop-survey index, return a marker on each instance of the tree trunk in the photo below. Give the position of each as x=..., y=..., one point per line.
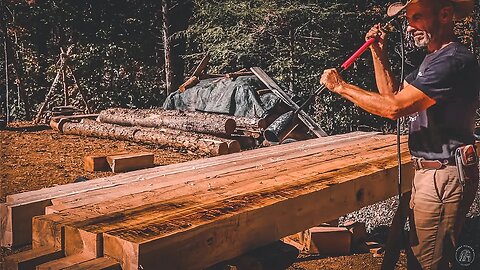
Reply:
x=167, y=47
x=5, y=49
x=16, y=56
x=214, y=124
x=158, y=136
x=292, y=72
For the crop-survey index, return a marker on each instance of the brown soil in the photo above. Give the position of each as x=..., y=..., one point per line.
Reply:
x=34, y=157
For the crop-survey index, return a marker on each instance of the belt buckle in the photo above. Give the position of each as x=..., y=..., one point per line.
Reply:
x=417, y=163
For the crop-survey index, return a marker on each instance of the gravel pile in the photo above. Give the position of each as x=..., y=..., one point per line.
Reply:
x=382, y=213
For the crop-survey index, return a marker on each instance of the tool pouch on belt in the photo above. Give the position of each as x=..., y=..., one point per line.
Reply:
x=465, y=157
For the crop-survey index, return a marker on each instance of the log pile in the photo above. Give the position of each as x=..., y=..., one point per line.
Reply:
x=195, y=214
x=213, y=134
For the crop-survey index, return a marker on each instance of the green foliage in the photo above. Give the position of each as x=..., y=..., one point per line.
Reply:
x=118, y=52
x=115, y=55
x=294, y=41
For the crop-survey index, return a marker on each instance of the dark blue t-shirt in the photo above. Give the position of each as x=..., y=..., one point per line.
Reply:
x=450, y=76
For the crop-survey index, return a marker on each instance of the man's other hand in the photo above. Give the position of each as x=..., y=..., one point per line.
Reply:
x=376, y=32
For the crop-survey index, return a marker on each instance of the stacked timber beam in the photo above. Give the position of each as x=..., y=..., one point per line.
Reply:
x=213, y=134
x=195, y=214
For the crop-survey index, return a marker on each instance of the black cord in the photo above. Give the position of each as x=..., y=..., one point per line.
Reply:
x=399, y=156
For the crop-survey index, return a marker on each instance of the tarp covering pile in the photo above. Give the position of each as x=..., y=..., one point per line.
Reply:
x=226, y=96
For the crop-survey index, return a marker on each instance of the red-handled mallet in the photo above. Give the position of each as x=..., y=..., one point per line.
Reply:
x=357, y=54
x=340, y=70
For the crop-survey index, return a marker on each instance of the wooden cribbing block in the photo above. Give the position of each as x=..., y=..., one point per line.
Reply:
x=358, y=231
x=96, y=163
x=103, y=263
x=54, y=125
x=130, y=162
x=99, y=163
x=330, y=240
x=221, y=147
x=30, y=259
x=65, y=262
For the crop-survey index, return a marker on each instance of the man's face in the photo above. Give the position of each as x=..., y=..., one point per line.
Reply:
x=422, y=24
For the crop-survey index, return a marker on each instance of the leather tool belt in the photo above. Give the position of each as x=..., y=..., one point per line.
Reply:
x=427, y=164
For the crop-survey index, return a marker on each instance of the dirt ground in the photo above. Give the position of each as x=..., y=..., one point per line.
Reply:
x=34, y=157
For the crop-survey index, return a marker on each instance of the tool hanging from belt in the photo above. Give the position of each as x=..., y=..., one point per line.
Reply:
x=465, y=156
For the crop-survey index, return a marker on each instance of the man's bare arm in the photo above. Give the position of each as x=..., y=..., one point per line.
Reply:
x=386, y=83
x=394, y=106
x=406, y=102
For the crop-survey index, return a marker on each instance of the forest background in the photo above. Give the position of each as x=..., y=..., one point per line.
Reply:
x=132, y=53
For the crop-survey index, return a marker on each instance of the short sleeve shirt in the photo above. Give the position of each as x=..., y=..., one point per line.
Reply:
x=450, y=76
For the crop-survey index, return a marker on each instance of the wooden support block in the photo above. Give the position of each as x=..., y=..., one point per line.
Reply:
x=30, y=259
x=103, y=263
x=330, y=240
x=96, y=163
x=65, y=262
x=222, y=148
x=130, y=162
x=358, y=231
x=233, y=146
x=331, y=223
x=99, y=163
x=300, y=241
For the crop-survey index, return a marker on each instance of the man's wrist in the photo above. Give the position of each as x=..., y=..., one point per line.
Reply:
x=340, y=87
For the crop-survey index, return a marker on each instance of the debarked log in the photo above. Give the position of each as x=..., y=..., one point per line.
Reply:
x=202, y=122
x=158, y=136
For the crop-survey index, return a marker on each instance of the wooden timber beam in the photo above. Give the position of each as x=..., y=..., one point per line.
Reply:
x=213, y=218
x=16, y=214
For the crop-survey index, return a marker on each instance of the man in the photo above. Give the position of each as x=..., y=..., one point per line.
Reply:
x=441, y=97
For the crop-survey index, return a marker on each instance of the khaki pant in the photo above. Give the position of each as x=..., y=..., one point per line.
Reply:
x=439, y=204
